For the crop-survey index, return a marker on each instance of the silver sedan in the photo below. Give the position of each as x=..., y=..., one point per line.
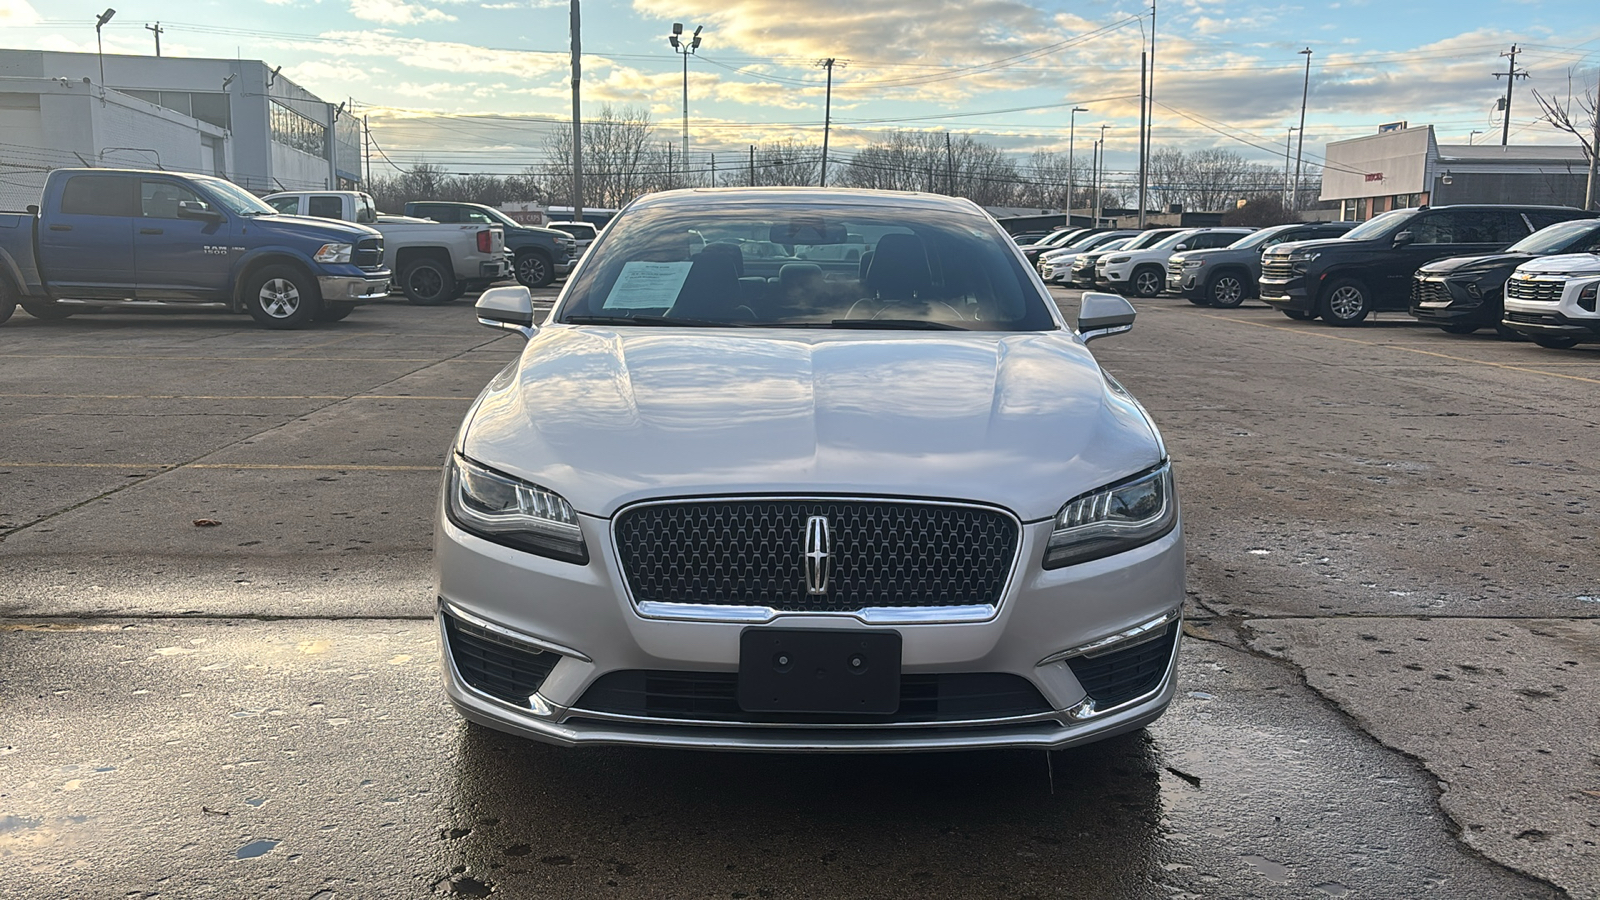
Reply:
x=799, y=500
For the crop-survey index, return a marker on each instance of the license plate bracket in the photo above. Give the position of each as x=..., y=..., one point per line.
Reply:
x=819, y=671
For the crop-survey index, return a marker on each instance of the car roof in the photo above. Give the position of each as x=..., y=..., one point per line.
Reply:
x=716, y=197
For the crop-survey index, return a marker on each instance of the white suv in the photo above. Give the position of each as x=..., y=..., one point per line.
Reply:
x=1553, y=300
x=1143, y=273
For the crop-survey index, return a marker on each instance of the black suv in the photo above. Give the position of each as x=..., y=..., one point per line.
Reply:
x=1465, y=293
x=1371, y=267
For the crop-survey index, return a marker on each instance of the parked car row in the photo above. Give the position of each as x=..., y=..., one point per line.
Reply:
x=132, y=239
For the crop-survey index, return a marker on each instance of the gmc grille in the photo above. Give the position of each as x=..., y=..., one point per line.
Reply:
x=752, y=553
x=1538, y=291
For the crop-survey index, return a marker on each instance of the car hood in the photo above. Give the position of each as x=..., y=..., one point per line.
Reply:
x=1563, y=264
x=313, y=226
x=606, y=417
x=1285, y=248
x=1468, y=265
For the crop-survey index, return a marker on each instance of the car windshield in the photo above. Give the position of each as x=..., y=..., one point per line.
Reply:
x=1257, y=238
x=1173, y=240
x=1060, y=238
x=236, y=199
x=754, y=262
x=1148, y=239
x=1379, y=225
x=1119, y=244
x=1555, y=238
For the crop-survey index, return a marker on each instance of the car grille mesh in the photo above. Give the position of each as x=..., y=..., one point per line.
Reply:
x=1123, y=675
x=1425, y=290
x=502, y=667
x=713, y=697
x=752, y=553
x=1538, y=291
x=1277, y=268
x=368, y=253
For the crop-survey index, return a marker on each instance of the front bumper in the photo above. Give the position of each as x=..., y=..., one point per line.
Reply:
x=583, y=615
x=1288, y=293
x=1113, y=276
x=1438, y=300
x=1186, y=281
x=354, y=288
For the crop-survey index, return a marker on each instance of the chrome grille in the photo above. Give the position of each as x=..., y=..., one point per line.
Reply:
x=884, y=553
x=1535, y=290
x=1428, y=291
x=1276, y=267
x=1174, y=269
x=368, y=253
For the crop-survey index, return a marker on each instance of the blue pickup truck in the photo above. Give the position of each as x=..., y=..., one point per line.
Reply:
x=120, y=238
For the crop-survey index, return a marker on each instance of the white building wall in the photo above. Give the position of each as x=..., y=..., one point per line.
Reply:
x=293, y=170
x=1395, y=162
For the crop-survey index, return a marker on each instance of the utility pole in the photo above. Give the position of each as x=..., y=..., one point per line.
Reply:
x=1591, y=194
x=669, y=165
x=1149, y=99
x=1099, y=176
x=752, y=165
x=1143, y=108
x=683, y=47
x=1305, y=91
x=1072, y=124
x=713, y=170
x=1511, y=75
x=157, y=29
x=577, y=120
x=1286, y=138
x=949, y=167
x=827, y=120
x=366, y=149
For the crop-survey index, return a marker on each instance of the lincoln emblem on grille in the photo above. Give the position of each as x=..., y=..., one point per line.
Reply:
x=818, y=559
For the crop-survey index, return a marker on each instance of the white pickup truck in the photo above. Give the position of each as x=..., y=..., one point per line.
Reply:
x=433, y=263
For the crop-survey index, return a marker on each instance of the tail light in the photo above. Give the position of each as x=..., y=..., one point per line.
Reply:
x=483, y=242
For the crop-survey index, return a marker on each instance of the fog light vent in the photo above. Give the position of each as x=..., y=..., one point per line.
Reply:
x=500, y=666
x=1117, y=677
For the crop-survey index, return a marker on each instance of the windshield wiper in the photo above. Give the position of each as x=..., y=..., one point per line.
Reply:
x=887, y=324
x=652, y=320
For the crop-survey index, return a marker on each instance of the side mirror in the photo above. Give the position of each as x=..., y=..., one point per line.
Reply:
x=189, y=209
x=507, y=309
x=1102, y=315
x=1181, y=247
x=1403, y=238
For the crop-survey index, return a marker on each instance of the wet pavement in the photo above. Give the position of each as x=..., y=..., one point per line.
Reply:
x=1388, y=689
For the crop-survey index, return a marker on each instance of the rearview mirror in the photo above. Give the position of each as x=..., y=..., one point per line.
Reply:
x=1102, y=315
x=809, y=231
x=507, y=309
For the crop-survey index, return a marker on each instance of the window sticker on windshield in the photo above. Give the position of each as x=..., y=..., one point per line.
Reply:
x=648, y=285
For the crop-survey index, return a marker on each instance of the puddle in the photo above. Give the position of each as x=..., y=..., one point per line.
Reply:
x=255, y=849
x=1332, y=889
x=1276, y=872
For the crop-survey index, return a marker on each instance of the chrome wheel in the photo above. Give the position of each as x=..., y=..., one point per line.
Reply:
x=279, y=298
x=1346, y=302
x=1148, y=282
x=1227, y=291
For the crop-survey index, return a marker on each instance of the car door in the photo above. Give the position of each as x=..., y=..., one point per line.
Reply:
x=180, y=258
x=1432, y=235
x=86, y=249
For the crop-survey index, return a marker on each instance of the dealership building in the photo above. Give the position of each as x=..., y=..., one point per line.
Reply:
x=237, y=118
x=1402, y=167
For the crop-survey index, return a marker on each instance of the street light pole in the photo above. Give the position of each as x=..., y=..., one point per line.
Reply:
x=577, y=120
x=1286, y=138
x=683, y=47
x=1099, y=174
x=1305, y=91
x=1072, y=124
x=100, y=50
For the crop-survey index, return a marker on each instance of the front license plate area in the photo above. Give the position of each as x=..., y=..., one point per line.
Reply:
x=794, y=671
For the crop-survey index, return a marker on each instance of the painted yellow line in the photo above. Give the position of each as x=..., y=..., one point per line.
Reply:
x=234, y=466
x=384, y=359
x=457, y=397
x=1381, y=345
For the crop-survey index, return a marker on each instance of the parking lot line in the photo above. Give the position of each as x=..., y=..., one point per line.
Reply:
x=1403, y=349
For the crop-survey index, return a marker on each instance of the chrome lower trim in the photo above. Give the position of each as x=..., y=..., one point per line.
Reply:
x=537, y=705
x=140, y=304
x=350, y=287
x=1138, y=634
x=578, y=712
x=510, y=633
x=875, y=615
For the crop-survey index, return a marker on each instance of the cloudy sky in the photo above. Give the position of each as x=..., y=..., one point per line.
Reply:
x=474, y=84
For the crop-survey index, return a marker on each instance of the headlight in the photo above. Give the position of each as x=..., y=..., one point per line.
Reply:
x=513, y=512
x=1193, y=263
x=1118, y=259
x=1303, y=256
x=333, y=253
x=1114, y=519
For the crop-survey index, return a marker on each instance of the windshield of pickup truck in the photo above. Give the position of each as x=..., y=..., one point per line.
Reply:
x=1378, y=225
x=235, y=199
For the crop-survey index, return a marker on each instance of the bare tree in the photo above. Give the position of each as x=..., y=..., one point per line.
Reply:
x=1584, y=124
x=777, y=163
x=621, y=159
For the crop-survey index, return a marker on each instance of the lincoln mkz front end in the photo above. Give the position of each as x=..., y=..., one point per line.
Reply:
x=742, y=496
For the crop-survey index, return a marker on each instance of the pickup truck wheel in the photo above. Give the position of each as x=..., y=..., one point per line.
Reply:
x=1225, y=290
x=534, y=269
x=1148, y=281
x=427, y=282
x=282, y=297
x=1556, y=343
x=334, y=312
x=46, y=310
x=8, y=300
x=1346, y=302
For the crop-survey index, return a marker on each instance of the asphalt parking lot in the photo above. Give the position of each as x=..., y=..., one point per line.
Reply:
x=218, y=674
